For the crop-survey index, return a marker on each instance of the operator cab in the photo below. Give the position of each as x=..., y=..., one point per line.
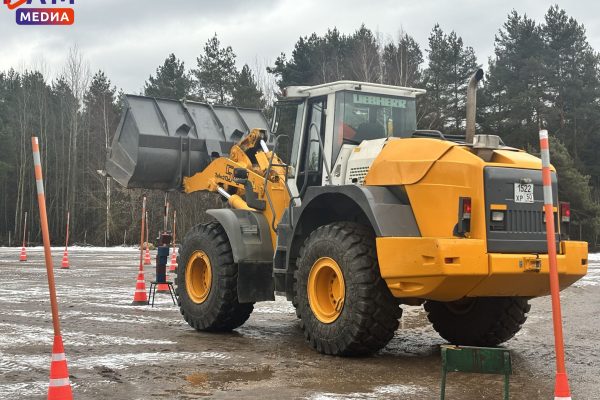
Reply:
x=318, y=127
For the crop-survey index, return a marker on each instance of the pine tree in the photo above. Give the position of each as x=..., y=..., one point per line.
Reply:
x=513, y=97
x=216, y=72
x=451, y=63
x=314, y=60
x=575, y=188
x=101, y=116
x=364, y=64
x=329, y=58
x=573, y=84
x=171, y=80
x=245, y=91
x=402, y=62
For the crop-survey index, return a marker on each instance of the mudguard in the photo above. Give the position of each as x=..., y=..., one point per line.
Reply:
x=389, y=214
x=248, y=233
x=250, y=240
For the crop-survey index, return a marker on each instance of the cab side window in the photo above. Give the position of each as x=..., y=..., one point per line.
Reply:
x=311, y=159
x=316, y=123
x=288, y=122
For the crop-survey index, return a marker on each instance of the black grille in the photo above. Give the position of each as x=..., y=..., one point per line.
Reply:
x=525, y=221
x=524, y=230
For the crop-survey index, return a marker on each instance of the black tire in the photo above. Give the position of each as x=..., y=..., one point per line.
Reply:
x=221, y=310
x=369, y=314
x=481, y=321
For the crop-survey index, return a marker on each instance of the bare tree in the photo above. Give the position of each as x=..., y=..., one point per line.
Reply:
x=365, y=63
x=76, y=74
x=267, y=83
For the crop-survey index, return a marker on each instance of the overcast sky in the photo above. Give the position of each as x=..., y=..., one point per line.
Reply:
x=129, y=39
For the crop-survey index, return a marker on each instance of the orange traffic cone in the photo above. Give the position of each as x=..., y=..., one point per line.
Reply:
x=140, y=298
x=65, y=260
x=173, y=266
x=147, y=260
x=60, y=386
x=23, y=256
x=561, y=387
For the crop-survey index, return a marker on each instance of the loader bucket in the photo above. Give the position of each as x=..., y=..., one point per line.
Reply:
x=160, y=141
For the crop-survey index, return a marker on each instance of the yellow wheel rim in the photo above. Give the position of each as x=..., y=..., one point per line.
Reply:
x=198, y=277
x=326, y=290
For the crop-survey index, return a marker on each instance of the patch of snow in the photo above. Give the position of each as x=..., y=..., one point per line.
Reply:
x=280, y=306
x=127, y=319
x=387, y=391
x=124, y=249
x=122, y=361
x=592, y=278
x=23, y=390
x=22, y=335
x=19, y=362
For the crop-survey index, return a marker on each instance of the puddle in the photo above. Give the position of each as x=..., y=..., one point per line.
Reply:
x=221, y=379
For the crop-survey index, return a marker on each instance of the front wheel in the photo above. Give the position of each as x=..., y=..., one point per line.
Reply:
x=344, y=305
x=207, y=281
x=479, y=321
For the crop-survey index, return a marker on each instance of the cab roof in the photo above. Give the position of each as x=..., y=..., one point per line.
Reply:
x=332, y=87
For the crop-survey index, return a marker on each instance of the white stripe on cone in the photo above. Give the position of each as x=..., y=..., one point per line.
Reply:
x=60, y=382
x=58, y=357
x=548, y=195
x=40, y=186
x=36, y=159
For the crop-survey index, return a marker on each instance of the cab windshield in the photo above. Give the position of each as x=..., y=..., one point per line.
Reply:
x=362, y=116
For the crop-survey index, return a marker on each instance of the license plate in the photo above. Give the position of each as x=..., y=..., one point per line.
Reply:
x=524, y=193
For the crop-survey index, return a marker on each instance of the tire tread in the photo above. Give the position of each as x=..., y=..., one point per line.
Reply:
x=374, y=318
x=228, y=313
x=497, y=320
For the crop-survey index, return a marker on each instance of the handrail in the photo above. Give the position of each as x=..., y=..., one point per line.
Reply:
x=425, y=133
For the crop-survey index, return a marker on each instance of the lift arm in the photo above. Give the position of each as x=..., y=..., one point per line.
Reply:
x=251, y=156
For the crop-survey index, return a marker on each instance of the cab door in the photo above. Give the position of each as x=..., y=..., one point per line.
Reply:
x=310, y=163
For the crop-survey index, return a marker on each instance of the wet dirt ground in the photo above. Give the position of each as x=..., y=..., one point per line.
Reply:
x=118, y=351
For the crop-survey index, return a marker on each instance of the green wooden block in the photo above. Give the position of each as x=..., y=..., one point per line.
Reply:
x=481, y=360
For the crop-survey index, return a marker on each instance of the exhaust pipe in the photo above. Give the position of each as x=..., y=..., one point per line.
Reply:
x=472, y=104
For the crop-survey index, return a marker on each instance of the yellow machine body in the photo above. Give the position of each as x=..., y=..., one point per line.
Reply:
x=434, y=174
x=436, y=266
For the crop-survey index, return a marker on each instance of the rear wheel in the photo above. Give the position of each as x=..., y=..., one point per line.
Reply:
x=344, y=305
x=480, y=321
x=207, y=281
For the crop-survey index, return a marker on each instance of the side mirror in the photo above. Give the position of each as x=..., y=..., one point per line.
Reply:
x=275, y=120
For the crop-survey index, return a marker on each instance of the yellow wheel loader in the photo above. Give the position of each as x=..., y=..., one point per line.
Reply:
x=345, y=207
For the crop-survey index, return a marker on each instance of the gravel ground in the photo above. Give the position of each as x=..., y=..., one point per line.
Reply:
x=118, y=351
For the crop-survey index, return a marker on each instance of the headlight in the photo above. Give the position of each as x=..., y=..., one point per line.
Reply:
x=497, y=216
